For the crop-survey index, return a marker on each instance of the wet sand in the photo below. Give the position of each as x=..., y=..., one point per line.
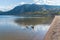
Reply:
x=54, y=31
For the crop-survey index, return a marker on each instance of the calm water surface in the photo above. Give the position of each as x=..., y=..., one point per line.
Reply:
x=10, y=30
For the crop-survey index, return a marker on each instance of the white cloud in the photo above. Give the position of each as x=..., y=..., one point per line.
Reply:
x=35, y=0
x=38, y=1
x=23, y=3
x=48, y=2
x=3, y=8
x=53, y=2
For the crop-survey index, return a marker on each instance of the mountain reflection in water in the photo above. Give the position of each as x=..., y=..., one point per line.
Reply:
x=12, y=30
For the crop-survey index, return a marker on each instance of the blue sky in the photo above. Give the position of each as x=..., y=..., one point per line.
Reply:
x=9, y=4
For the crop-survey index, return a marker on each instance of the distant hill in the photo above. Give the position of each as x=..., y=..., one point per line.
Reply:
x=33, y=9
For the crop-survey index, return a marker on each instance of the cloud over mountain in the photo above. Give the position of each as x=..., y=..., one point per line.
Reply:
x=9, y=6
x=48, y=2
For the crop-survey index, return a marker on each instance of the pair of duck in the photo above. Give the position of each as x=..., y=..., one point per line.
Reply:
x=30, y=26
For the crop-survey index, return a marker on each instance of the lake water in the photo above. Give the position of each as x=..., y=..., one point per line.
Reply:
x=11, y=30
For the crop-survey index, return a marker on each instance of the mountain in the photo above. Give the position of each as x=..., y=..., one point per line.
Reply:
x=31, y=9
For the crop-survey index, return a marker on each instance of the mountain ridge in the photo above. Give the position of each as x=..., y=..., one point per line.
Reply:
x=22, y=9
